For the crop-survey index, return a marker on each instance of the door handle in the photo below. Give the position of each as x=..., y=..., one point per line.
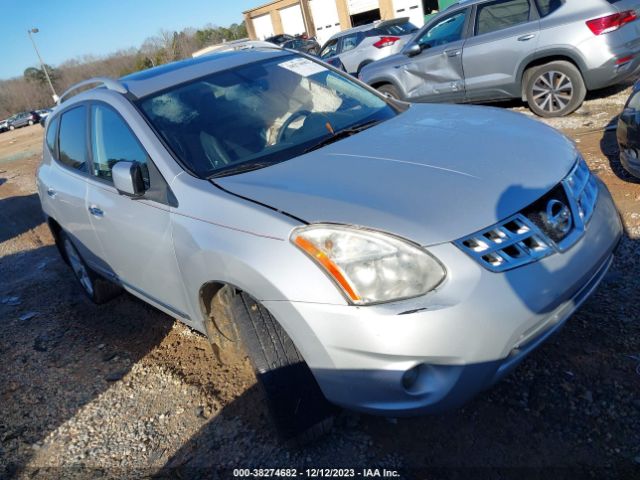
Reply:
x=453, y=53
x=524, y=38
x=95, y=211
x=51, y=192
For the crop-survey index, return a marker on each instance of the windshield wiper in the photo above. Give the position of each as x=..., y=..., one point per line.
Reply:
x=241, y=168
x=340, y=134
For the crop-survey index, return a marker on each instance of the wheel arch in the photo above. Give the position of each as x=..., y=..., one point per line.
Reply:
x=541, y=58
x=302, y=336
x=363, y=64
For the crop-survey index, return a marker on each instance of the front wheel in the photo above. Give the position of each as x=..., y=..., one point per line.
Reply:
x=298, y=406
x=30, y=122
x=555, y=89
x=12, y=128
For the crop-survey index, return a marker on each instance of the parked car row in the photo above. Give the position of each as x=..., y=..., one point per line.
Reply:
x=24, y=119
x=301, y=43
x=549, y=53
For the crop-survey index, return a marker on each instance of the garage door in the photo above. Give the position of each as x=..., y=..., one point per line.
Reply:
x=359, y=6
x=263, y=26
x=409, y=8
x=325, y=18
x=292, y=21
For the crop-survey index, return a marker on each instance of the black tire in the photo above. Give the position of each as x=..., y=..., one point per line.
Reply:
x=554, y=89
x=390, y=91
x=300, y=411
x=97, y=288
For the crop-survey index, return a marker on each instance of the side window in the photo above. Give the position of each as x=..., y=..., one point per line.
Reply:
x=447, y=30
x=329, y=49
x=52, y=131
x=546, y=7
x=349, y=42
x=502, y=14
x=72, y=139
x=111, y=142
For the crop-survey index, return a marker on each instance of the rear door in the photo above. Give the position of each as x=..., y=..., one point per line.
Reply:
x=135, y=233
x=505, y=32
x=436, y=73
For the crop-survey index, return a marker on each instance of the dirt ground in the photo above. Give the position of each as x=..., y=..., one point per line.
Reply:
x=121, y=390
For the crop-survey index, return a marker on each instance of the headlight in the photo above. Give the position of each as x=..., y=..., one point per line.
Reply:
x=369, y=267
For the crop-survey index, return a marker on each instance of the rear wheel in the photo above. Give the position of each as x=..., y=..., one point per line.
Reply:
x=555, y=89
x=11, y=127
x=98, y=289
x=30, y=122
x=298, y=407
x=390, y=91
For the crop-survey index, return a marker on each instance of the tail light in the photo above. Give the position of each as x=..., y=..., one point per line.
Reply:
x=623, y=60
x=386, y=42
x=611, y=23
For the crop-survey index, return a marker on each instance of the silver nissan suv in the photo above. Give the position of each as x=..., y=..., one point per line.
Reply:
x=547, y=52
x=387, y=258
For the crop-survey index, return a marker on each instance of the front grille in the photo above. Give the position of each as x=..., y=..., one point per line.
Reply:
x=583, y=187
x=554, y=223
x=509, y=244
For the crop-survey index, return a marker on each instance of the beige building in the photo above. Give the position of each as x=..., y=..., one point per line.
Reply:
x=323, y=18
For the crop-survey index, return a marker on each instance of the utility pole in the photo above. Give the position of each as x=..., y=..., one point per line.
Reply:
x=44, y=69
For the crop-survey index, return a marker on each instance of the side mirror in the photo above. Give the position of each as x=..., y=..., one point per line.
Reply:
x=413, y=50
x=127, y=178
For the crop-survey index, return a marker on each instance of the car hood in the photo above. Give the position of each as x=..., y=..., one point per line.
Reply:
x=433, y=174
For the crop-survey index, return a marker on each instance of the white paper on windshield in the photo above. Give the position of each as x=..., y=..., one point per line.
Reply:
x=303, y=67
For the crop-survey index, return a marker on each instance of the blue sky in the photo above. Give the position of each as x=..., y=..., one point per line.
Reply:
x=71, y=28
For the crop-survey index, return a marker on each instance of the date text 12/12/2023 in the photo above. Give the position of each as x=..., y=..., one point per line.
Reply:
x=315, y=473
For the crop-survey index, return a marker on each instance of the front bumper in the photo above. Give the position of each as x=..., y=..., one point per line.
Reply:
x=456, y=341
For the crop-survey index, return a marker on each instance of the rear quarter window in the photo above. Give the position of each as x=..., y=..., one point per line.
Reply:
x=546, y=7
x=52, y=131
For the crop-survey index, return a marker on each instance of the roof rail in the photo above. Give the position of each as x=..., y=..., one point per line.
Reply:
x=110, y=83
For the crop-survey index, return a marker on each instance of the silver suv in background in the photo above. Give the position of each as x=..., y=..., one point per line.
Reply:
x=278, y=206
x=350, y=50
x=547, y=52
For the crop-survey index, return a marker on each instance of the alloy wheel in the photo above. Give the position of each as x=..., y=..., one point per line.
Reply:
x=553, y=91
x=78, y=267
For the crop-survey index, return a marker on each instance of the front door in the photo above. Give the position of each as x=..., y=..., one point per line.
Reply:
x=505, y=33
x=135, y=233
x=436, y=73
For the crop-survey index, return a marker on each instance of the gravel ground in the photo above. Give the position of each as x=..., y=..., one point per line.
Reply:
x=122, y=391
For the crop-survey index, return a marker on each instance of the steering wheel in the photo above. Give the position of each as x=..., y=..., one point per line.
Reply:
x=292, y=118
